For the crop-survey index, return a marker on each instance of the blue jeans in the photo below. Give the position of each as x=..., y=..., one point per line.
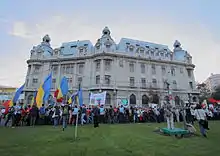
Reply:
x=64, y=122
x=202, y=129
x=55, y=121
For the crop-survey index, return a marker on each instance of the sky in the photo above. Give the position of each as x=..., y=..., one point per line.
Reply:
x=23, y=23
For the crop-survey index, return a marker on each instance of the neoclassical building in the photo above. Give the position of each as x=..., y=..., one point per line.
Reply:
x=135, y=70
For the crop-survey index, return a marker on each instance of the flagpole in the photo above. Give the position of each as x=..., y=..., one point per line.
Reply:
x=77, y=116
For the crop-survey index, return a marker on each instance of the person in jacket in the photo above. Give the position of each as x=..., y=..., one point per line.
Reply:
x=33, y=114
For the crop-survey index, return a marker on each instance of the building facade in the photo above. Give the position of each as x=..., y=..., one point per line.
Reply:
x=212, y=82
x=136, y=70
x=6, y=93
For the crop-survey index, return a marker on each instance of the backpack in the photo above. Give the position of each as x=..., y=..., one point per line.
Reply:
x=42, y=111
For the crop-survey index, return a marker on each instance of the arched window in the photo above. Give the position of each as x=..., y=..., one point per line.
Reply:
x=108, y=99
x=145, y=100
x=132, y=99
x=177, y=100
x=194, y=99
x=155, y=99
x=29, y=99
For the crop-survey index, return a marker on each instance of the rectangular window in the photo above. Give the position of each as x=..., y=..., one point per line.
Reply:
x=107, y=79
x=181, y=70
x=173, y=71
x=27, y=81
x=191, y=85
x=189, y=72
x=154, y=83
x=81, y=68
x=163, y=70
x=132, y=81
x=153, y=68
x=79, y=80
x=131, y=67
x=142, y=68
x=143, y=82
x=98, y=65
x=53, y=83
x=107, y=65
x=55, y=69
x=37, y=68
x=97, y=79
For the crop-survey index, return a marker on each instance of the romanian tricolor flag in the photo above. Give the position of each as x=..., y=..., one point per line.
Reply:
x=43, y=90
x=72, y=98
x=16, y=95
x=62, y=90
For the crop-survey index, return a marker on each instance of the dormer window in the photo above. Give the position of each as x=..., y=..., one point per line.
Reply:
x=156, y=48
x=81, y=50
x=74, y=46
x=137, y=45
x=108, y=45
x=131, y=48
x=147, y=47
x=85, y=45
x=152, y=53
x=127, y=43
x=165, y=49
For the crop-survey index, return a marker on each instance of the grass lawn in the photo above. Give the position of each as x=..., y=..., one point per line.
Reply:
x=115, y=140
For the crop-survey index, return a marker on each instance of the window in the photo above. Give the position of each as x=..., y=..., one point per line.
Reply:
x=36, y=68
x=107, y=65
x=174, y=84
x=152, y=53
x=34, y=82
x=173, y=71
x=147, y=52
x=81, y=50
x=98, y=65
x=97, y=79
x=108, y=99
x=81, y=67
x=107, y=79
x=53, y=83
x=74, y=46
x=145, y=100
x=132, y=81
x=131, y=49
x=143, y=82
x=29, y=70
x=142, y=68
x=166, y=55
x=55, y=69
x=108, y=45
x=165, y=84
x=163, y=70
x=67, y=69
x=153, y=68
x=132, y=99
x=79, y=80
x=162, y=54
x=71, y=68
x=157, y=54
x=142, y=51
x=154, y=83
x=181, y=70
x=189, y=72
x=69, y=80
x=131, y=67
x=27, y=81
x=191, y=85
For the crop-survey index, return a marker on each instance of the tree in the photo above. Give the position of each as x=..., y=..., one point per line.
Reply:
x=204, y=92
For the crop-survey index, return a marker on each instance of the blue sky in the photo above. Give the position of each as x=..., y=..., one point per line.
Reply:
x=23, y=23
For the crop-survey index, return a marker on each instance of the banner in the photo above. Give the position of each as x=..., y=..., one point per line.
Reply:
x=123, y=102
x=97, y=99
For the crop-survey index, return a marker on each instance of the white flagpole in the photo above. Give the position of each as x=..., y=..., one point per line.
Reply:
x=77, y=118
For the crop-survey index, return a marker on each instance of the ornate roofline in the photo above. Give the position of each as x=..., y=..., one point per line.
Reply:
x=119, y=55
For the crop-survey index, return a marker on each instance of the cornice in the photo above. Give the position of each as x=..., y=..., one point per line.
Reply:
x=116, y=55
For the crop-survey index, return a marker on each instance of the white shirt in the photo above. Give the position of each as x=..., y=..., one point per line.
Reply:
x=200, y=114
x=75, y=111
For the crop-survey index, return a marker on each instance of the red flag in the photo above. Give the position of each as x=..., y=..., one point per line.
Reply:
x=6, y=105
x=56, y=95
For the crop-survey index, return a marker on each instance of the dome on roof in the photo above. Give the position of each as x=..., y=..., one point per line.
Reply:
x=46, y=38
x=106, y=31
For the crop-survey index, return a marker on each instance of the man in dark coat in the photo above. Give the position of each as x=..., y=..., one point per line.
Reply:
x=96, y=113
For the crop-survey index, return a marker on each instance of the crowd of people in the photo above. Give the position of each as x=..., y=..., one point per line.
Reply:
x=65, y=114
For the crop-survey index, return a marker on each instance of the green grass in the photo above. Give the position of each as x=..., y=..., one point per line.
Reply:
x=115, y=140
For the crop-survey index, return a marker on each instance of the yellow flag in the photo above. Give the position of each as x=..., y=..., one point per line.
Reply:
x=39, y=97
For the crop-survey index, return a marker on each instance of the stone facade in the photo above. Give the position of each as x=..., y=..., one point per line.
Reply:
x=132, y=69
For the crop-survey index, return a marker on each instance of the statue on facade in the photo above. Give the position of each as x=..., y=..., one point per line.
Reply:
x=177, y=45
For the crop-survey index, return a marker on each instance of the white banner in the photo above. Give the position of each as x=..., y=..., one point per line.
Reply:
x=97, y=99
